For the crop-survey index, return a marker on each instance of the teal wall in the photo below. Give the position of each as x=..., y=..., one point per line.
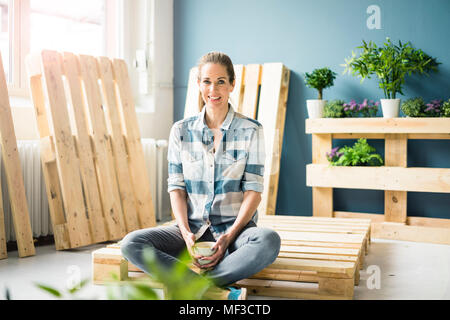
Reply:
x=309, y=34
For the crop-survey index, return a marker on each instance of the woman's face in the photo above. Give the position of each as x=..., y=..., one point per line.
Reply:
x=215, y=86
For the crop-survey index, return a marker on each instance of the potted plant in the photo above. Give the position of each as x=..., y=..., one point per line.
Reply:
x=341, y=109
x=361, y=154
x=390, y=63
x=416, y=107
x=446, y=109
x=319, y=79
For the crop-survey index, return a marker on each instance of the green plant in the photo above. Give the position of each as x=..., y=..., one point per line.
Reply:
x=334, y=109
x=390, y=63
x=413, y=107
x=416, y=107
x=69, y=293
x=320, y=79
x=178, y=281
x=445, y=109
x=361, y=154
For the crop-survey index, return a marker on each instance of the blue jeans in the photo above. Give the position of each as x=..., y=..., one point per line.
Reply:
x=252, y=250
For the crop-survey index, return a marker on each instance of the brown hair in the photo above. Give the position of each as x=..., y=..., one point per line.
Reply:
x=216, y=58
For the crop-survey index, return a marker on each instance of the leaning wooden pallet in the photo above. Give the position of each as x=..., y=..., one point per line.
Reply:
x=87, y=147
x=260, y=93
x=320, y=258
x=14, y=178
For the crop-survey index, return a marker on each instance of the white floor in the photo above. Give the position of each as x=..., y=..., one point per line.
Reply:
x=393, y=270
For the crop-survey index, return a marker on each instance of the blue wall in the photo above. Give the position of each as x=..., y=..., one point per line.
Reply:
x=309, y=34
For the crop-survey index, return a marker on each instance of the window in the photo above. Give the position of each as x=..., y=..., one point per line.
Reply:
x=79, y=26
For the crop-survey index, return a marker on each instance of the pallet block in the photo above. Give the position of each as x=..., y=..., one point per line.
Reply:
x=260, y=93
x=320, y=258
x=14, y=178
x=90, y=142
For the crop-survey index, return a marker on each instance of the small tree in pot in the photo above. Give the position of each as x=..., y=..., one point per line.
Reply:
x=319, y=79
x=390, y=63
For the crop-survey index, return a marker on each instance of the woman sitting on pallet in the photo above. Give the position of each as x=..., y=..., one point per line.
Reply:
x=216, y=167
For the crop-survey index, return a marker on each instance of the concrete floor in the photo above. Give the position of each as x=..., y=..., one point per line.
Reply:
x=392, y=270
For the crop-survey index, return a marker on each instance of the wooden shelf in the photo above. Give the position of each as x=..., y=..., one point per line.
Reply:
x=379, y=178
x=394, y=178
x=379, y=125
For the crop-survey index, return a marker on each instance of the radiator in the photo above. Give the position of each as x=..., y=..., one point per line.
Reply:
x=155, y=152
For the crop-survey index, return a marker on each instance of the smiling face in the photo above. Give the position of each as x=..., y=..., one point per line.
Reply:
x=215, y=85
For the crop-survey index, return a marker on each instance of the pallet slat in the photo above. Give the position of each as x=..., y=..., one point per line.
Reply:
x=378, y=125
x=14, y=178
x=379, y=178
x=272, y=114
x=136, y=159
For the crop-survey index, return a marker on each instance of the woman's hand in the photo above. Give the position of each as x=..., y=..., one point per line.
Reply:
x=221, y=246
x=189, y=239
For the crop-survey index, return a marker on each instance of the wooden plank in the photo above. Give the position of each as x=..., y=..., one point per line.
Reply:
x=118, y=145
x=397, y=231
x=320, y=250
x=395, y=155
x=14, y=178
x=83, y=143
x=54, y=194
x=286, y=289
x=3, y=253
x=237, y=96
x=136, y=159
x=321, y=237
x=379, y=178
x=378, y=125
x=310, y=219
x=48, y=155
x=322, y=198
x=107, y=180
x=67, y=161
x=419, y=136
x=272, y=114
x=193, y=96
x=252, y=81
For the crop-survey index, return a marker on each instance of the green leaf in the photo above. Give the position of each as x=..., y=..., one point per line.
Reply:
x=49, y=290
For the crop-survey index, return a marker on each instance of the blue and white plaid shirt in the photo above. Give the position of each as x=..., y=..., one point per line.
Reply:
x=215, y=182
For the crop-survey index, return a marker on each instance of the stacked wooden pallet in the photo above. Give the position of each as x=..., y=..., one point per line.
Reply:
x=91, y=152
x=320, y=258
x=395, y=178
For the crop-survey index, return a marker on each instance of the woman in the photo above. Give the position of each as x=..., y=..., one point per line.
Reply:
x=216, y=168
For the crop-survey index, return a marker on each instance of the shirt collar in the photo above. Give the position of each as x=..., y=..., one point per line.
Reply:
x=201, y=122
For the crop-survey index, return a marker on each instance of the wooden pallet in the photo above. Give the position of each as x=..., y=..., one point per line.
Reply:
x=267, y=84
x=14, y=178
x=320, y=258
x=90, y=142
x=395, y=178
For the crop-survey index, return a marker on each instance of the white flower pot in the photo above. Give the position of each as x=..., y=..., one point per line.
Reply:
x=315, y=108
x=390, y=107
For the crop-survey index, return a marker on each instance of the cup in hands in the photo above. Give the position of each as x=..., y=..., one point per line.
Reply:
x=204, y=249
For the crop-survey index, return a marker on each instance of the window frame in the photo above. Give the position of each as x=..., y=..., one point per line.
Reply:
x=19, y=40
